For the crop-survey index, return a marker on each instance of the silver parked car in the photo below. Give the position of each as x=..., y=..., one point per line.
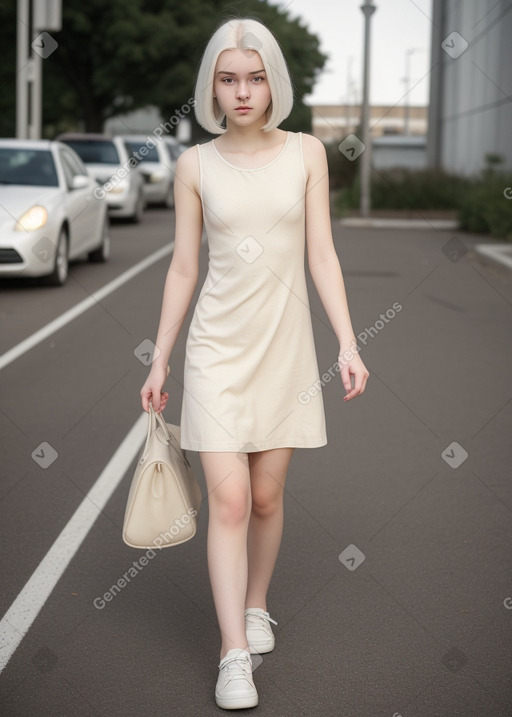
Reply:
x=175, y=148
x=106, y=159
x=156, y=164
x=49, y=213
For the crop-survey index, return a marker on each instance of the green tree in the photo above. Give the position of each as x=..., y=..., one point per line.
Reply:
x=126, y=54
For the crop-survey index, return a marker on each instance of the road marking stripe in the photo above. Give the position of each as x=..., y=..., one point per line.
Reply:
x=17, y=620
x=92, y=300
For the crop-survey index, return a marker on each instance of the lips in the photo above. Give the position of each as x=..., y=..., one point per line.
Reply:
x=243, y=107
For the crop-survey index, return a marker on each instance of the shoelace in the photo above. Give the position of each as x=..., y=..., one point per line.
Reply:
x=252, y=617
x=237, y=668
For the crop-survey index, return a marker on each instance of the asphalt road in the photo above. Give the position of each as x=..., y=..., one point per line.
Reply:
x=393, y=587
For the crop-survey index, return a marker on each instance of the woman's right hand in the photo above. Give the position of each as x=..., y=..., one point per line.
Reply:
x=152, y=389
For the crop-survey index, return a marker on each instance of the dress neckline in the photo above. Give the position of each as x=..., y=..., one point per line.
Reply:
x=254, y=169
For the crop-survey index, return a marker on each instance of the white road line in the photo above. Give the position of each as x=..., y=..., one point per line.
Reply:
x=92, y=300
x=24, y=610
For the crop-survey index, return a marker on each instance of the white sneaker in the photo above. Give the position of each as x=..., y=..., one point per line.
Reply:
x=257, y=628
x=235, y=687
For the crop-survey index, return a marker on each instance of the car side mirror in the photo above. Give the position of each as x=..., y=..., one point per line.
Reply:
x=80, y=181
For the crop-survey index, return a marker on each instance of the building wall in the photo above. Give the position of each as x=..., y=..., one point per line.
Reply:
x=332, y=123
x=471, y=94
x=141, y=121
x=404, y=152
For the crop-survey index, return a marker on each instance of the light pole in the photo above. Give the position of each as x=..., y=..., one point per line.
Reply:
x=368, y=9
x=32, y=17
x=350, y=89
x=407, y=82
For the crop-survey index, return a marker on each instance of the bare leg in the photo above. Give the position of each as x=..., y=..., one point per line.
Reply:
x=229, y=498
x=268, y=474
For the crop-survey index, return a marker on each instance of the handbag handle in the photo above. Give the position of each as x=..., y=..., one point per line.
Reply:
x=153, y=419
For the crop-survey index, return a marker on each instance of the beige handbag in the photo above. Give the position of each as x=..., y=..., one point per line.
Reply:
x=165, y=497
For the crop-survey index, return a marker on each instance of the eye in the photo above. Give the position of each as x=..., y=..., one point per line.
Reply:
x=227, y=80
x=258, y=77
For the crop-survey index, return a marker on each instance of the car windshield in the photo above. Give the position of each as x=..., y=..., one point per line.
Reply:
x=29, y=167
x=95, y=151
x=134, y=147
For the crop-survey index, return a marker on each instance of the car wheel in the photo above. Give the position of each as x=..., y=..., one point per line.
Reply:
x=139, y=209
x=59, y=274
x=102, y=253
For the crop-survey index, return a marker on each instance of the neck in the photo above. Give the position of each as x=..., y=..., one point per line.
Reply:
x=250, y=137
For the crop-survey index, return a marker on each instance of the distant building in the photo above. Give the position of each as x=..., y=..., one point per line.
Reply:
x=332, y=123
x=141, y=121
x=406, y=151
x=470, y=113
x=144, y=121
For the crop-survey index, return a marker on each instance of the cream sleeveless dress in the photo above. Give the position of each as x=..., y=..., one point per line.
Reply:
x=251, y=376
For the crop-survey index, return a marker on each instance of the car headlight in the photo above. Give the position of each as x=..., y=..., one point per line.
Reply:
x=118, y=188
x=35, y=218
x=157, y=177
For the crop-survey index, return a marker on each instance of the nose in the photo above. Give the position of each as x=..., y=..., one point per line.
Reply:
x=242, y=90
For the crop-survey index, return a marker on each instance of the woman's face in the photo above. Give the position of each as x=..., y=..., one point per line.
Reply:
x=241, y=87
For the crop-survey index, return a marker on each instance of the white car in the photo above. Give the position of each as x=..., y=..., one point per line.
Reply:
x=106, y=159
x=156, y=164
x=175, y=148
x=49, y=213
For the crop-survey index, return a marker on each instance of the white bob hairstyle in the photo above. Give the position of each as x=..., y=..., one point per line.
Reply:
x=243, y=34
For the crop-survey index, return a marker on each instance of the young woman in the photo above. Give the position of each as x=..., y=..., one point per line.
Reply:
x=250, y=357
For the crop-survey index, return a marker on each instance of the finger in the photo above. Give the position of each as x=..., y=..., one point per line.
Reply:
x=163, y=402
x=359, y=386
x=351, y=391
x=345, y=377
x=145, y=400
x=155, y=400
x=358, y=382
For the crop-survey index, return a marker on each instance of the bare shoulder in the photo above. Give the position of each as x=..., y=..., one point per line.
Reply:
x=313, y=147
x=187, y=160
x=187, y=166
x=315, y=157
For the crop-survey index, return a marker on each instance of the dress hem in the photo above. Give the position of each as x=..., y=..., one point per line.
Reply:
x=246, y=446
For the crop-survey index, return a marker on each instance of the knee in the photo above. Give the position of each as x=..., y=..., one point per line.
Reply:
x=266, y=501
x=231, y=507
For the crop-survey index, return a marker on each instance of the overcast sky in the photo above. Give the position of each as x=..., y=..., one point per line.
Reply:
x=396, y=26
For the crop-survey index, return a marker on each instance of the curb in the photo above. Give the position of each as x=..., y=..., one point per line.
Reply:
x=361, y=223
x=495, y=254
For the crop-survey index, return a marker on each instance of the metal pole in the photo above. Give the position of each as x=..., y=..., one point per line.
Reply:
x=33, y=16
x=368, y=9
x=37, y=91
x=349, y=95
x=22, y=56
x=407, y=82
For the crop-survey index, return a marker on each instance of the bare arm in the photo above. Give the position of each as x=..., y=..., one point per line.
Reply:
x=325, y=267
x=181, y=277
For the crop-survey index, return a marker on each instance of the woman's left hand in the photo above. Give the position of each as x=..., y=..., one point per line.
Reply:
x=353, y=367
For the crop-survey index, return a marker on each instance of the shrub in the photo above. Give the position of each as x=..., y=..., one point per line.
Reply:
x=485, y=208
x=407, y=189
x=342, y=173
x=481, y=203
